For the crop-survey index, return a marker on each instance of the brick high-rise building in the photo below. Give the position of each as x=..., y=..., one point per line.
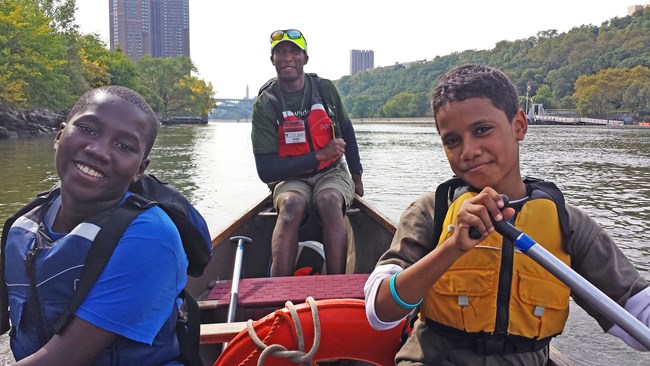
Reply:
x=361, y=60
x=160, y=28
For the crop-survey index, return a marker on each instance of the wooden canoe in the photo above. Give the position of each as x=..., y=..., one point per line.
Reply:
x=369, y=236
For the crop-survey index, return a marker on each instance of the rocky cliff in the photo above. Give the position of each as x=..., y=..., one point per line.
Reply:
x=16, y=122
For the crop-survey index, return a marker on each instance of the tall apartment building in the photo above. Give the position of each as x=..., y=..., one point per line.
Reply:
x=361, y=60
x=160, y=28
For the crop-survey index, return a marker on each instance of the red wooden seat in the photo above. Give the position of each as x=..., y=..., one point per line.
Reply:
x=275, y=291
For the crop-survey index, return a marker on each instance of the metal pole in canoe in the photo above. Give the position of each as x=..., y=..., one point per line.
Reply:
x=236, y=273
x=578, y=284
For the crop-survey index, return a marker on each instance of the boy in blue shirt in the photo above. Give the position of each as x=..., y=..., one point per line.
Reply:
x=129, y=316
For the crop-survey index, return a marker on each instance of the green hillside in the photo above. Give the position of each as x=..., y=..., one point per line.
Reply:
x=597, y=70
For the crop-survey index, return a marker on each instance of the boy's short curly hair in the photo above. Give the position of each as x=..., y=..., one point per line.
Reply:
x=129, y=95
x=476, y=81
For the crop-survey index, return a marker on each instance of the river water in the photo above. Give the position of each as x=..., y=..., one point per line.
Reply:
x=604, y=170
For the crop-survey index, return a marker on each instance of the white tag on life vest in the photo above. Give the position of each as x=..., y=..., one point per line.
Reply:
x=294, y=132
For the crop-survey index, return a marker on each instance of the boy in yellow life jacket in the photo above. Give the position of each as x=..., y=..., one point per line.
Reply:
x=480, y=301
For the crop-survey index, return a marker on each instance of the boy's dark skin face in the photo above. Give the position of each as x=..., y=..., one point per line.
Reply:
x=482, y=146
x=289, y=61
x=98, y=153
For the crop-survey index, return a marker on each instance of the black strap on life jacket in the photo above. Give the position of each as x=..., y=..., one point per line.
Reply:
x=444, y=195
x=34, y=305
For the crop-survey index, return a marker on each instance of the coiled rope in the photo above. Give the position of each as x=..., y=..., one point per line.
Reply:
x=296, y=356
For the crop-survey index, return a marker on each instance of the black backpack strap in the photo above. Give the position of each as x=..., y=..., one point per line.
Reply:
x=40, y=199
x=275, y=104
x=321, y=94
x=266, y=85
x=101, y=250
x=188, y=331
x=267, y=89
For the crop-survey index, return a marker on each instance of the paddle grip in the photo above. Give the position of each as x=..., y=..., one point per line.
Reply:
x=502, y=227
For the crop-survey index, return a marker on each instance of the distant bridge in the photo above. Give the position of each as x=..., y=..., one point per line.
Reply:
x=228, y=108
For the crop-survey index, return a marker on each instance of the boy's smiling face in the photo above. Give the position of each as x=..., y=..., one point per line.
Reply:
x=101, y=150
x=481, y=145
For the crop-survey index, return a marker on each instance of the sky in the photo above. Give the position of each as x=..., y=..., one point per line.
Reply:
x=230, y=46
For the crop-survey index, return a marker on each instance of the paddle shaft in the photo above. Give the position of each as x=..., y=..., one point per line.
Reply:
x=236, y=274
x=578, y=284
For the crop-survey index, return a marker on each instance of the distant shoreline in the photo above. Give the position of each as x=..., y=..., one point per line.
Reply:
x=419, y=120
x=407, y=120
x=26, y=122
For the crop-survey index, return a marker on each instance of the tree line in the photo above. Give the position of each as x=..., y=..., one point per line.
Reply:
x=45, y=62
x=596, y=70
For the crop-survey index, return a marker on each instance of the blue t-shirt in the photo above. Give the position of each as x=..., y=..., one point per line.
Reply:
x=149, y=261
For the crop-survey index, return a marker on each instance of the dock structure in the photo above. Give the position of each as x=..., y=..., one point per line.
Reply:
x=537, y=115
x=553, y=120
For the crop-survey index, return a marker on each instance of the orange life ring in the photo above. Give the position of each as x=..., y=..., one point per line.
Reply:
x=345, y=334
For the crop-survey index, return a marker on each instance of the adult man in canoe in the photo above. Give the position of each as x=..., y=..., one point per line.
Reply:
x=300, y=134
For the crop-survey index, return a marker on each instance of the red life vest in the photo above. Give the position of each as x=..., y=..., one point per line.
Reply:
x=296, y=136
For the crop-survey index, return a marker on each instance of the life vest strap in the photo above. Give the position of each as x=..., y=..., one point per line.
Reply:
x=484, y=343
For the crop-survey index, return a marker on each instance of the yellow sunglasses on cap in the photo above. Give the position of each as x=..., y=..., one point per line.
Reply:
x=292, y=35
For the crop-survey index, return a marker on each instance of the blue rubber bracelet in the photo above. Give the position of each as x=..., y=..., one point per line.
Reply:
x=396, y=297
